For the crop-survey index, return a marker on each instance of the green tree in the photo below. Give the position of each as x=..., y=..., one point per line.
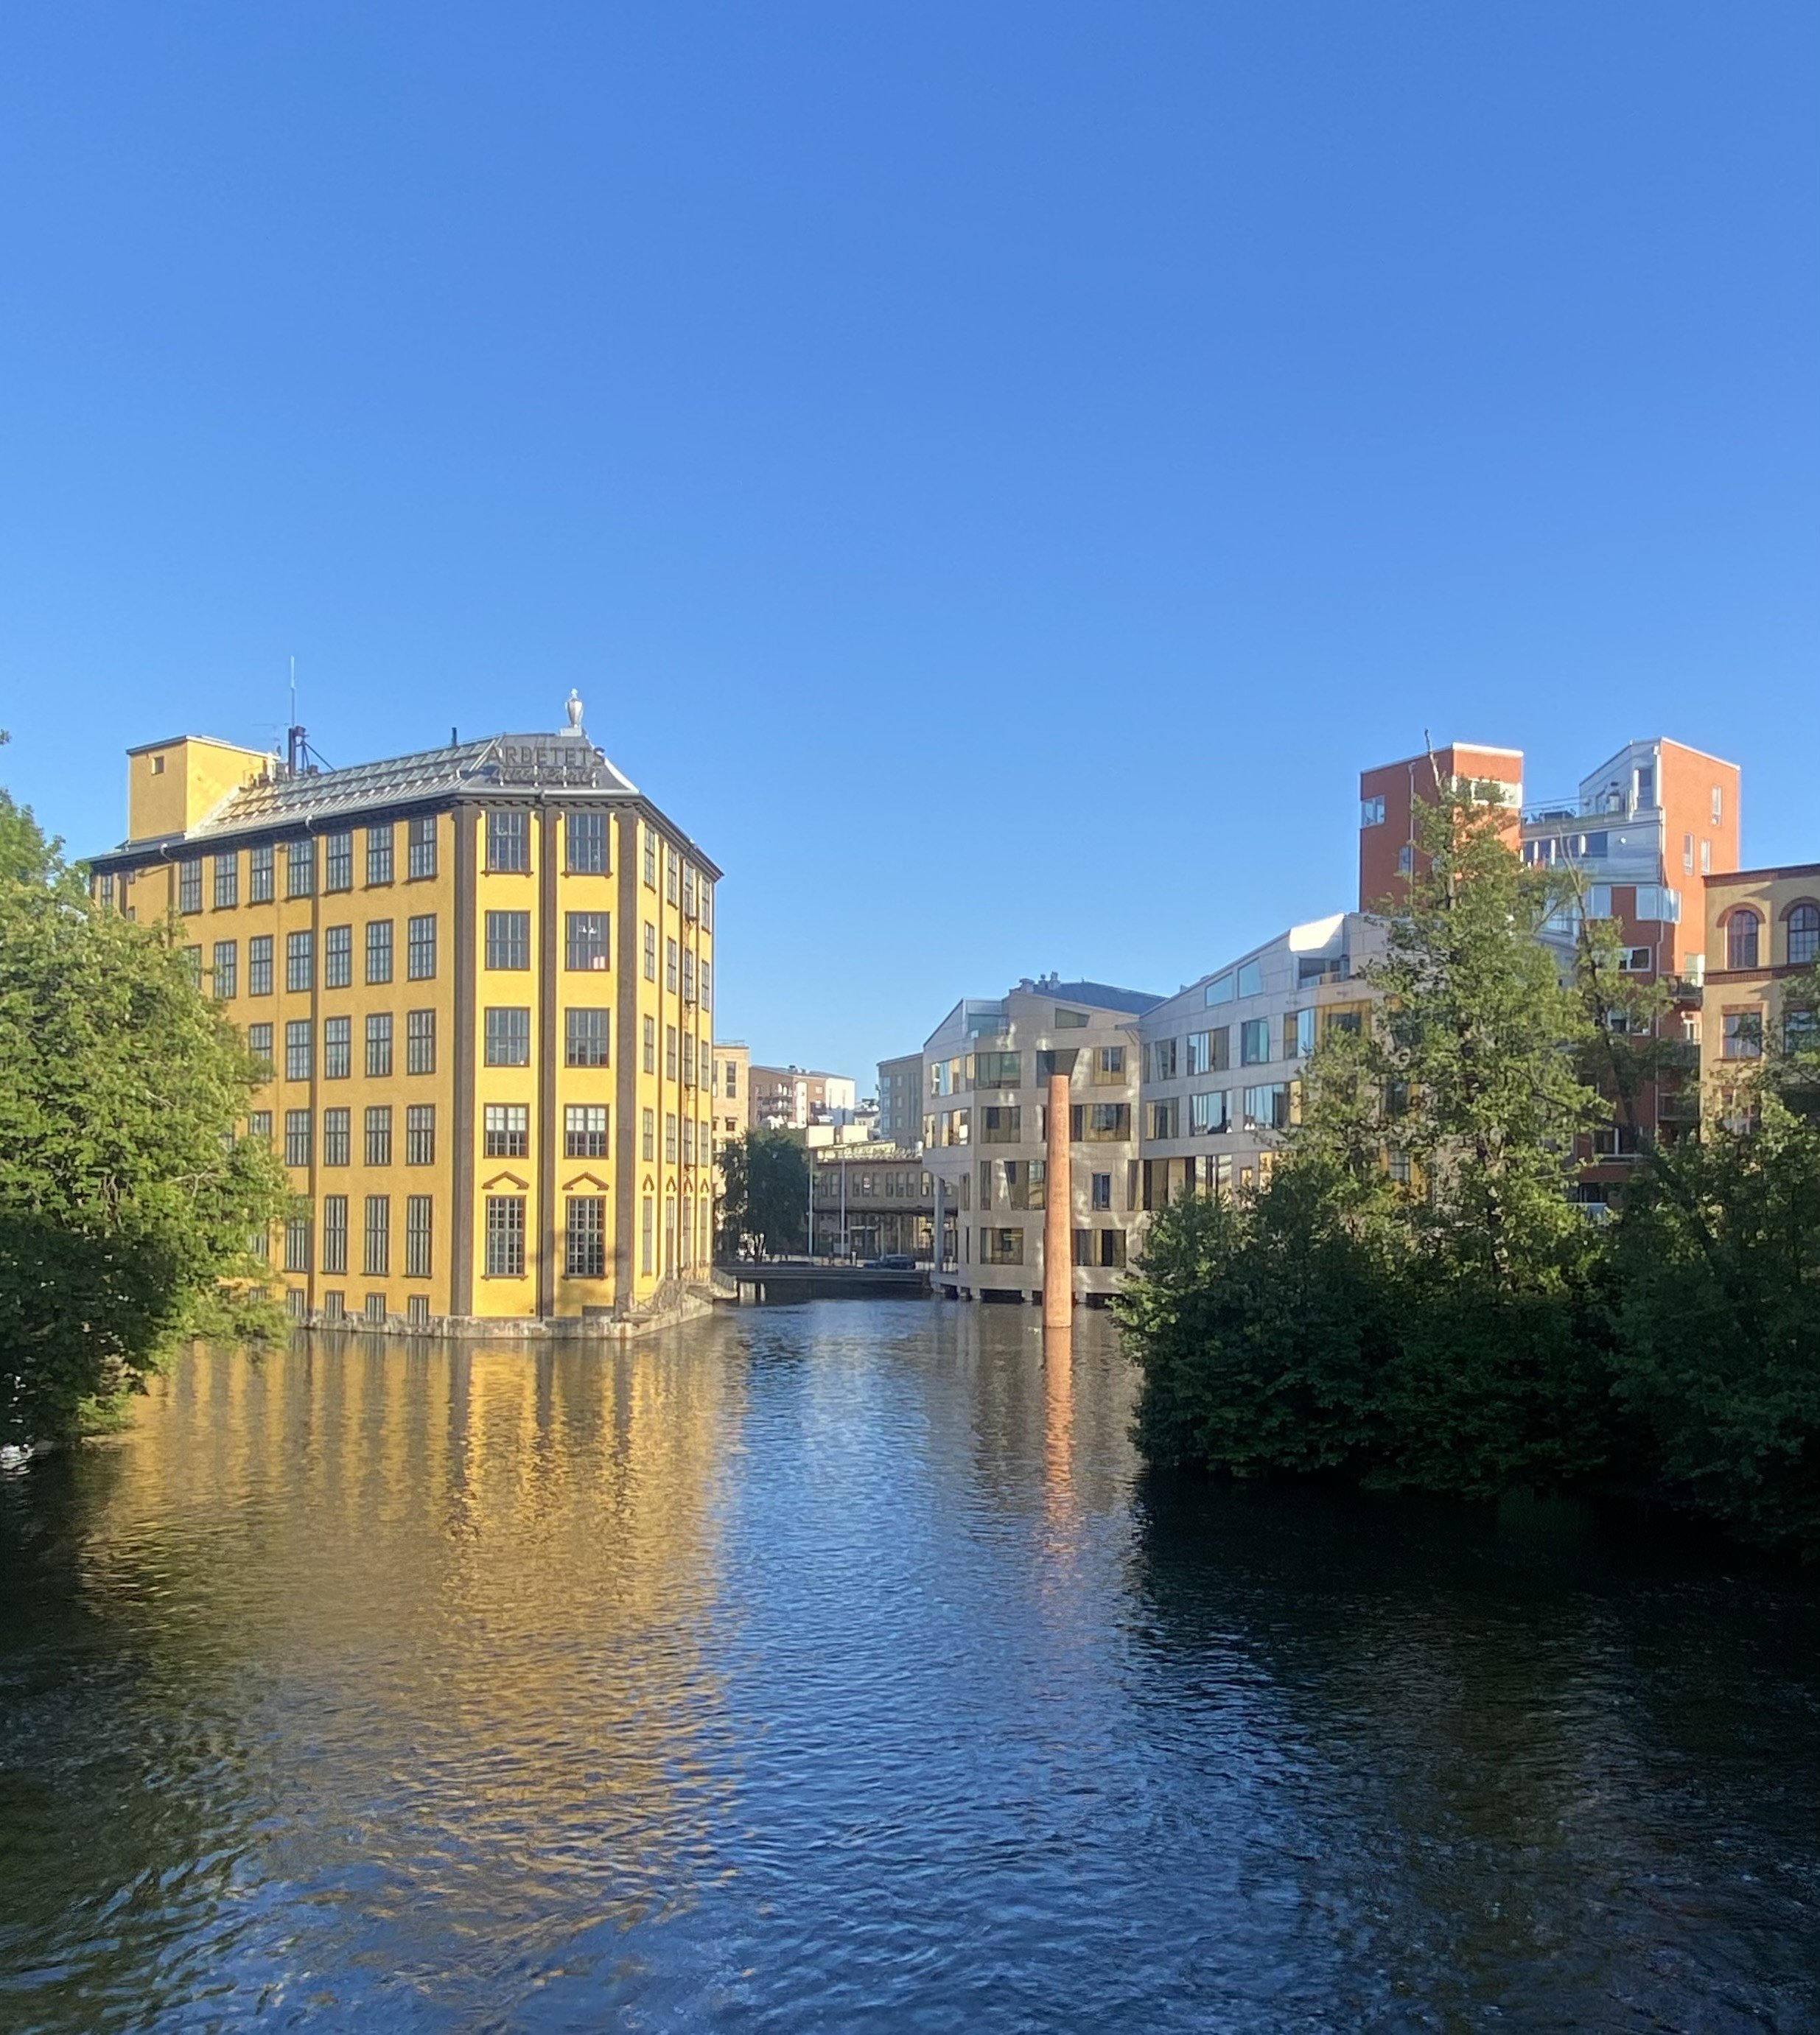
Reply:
x=1260, y=1324
x=765, y=1203
x=126, y=1203
x=1716, y=1295
x=1412, y=1295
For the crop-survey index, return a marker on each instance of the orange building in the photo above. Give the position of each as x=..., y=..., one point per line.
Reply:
x=1388, y=796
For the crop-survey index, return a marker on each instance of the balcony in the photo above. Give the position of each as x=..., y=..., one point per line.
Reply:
x=1572, y=811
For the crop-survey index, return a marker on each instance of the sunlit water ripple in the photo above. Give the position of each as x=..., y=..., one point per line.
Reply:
x=833, y=1668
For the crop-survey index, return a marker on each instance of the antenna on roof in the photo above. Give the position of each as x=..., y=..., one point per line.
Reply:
x=296, y=746
x=300, y=759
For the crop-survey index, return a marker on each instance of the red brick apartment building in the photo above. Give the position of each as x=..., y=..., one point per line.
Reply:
x=1643, y=831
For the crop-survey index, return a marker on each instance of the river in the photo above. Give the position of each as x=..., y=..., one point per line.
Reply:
x=833, y=1667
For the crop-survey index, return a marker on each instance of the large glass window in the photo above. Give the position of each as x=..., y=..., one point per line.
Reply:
x=337, y=1048
x=1001, y=1123
x=1803, y=935
x=299, y=962
x=259, y=965
x=259, y=886
x=509, y=843
x=334, y=1233
x=1267, y=1108
x=586, y=1037
x=508, y=939
x=584, y=1236
x=227, y=969
x=1100, y=1123
x=379, y=1044
x=259, y=1045
x=1744, y=1034
x=1000, y=1246
x=998, y=1070
x=300, y=869
x=505, y=1131
x=338, y=1148
x=1741, y=931
x=584, y=836
x=297, y=1245
x=190, y=884
x=298, y=1053
x=419, y=1042
x=378, y=950
x=297, y=1137
x=338, y=862
x=505, y=1237
x=379, y=854
x=419, y=1216
x=1207, y=1112
x=337, y=956
x=1166, y=1119
x=420, y=1134
x=507, y=1036
x=378, y=1140
x=420, y=953
x=584, y=1130
x=378, y=1260
x=226, y=880
x=423, y=845
x=586, y=939
x=1253, y=1042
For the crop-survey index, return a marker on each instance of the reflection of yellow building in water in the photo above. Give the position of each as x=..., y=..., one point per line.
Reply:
x=482, y=978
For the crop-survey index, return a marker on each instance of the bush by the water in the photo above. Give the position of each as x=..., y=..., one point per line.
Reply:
x=1412, y=1298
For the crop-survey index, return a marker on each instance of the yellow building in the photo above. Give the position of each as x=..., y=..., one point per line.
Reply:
x=1763, y=932
x=482, y=978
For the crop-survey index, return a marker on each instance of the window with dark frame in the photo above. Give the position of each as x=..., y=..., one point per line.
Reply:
x=337, y=1048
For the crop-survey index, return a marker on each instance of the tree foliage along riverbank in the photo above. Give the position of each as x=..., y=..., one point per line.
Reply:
x=764, y=1193
x=126, y=1202
x=1413, y=1300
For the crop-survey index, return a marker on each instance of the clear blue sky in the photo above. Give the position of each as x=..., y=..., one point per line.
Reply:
x=995, y=471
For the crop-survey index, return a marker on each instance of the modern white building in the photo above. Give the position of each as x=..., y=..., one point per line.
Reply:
x=986, y=1069
x=1220, y=1062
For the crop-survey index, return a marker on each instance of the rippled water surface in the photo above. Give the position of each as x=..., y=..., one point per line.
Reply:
x=831, y=1668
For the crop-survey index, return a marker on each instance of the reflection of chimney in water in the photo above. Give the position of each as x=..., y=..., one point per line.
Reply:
x=1058, y=1419
x=1058, y=1230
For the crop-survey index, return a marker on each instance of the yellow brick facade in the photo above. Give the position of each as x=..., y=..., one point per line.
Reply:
x=487, y=1001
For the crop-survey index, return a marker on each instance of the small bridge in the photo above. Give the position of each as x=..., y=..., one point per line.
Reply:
x=750, y=1282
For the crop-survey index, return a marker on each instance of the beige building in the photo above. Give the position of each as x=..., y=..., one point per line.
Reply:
x=729, y=1088
x=792, y=1098
x=1220, y=1061
x=900, y=1099
x=1762, y=929
x=873, y=1199
x=988, y=1067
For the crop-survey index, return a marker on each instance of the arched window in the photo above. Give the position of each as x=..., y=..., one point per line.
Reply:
x=1741, y=932
x=1803, y=935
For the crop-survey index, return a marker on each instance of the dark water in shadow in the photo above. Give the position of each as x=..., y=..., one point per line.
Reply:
x=830, y=1669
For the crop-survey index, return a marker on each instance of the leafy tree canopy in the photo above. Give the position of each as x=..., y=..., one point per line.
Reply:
x=126, y=1203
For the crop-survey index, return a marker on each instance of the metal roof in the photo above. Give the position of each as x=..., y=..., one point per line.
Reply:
x=566, y=763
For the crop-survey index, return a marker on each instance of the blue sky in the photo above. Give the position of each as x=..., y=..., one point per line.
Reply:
x=995, y=473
